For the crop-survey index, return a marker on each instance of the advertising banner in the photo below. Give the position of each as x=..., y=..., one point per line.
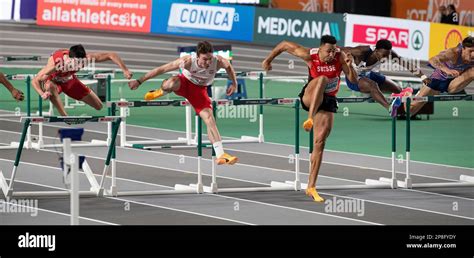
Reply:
x=115, y=15
x=273, y=26
x=203, y=20
x=409, y=38
x=322, y=6
x=428, y=10
x=446, y=36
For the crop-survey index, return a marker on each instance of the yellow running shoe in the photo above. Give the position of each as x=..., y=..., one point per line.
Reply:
x=308, y=124
x=226, y=159
x=313, y=194
x=153, y=94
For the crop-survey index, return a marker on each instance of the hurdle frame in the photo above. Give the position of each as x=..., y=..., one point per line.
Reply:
x=464, y=180
x=97, y=189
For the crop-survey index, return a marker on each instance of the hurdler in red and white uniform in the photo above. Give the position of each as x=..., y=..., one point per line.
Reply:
x=59, y=75
x=197, y=73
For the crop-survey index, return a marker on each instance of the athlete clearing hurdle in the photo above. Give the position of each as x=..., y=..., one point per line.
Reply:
x=59, y=75
x=198, y=73
x=318, y=96
x=367, y=60
x=16, y=94
x=454, y=70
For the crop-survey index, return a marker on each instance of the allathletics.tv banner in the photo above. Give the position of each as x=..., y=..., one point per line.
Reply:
x=113, y=15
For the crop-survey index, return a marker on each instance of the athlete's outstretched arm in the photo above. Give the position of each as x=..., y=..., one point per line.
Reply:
x=184, y=61
x=445, y=56
x=286, y=46
x=111, y=56
x=224, y=63
x=16, y=94
x=41, y=76
x=414, y=70
x=346, y=62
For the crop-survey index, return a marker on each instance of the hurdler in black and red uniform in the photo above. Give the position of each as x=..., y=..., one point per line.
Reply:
x=318, y=96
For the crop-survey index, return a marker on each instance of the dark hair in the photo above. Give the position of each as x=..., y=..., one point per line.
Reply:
x=77, y=51
x=384, y=44
x=468, y=42
x=452, y=7
x=204, y=47
x=328, y=39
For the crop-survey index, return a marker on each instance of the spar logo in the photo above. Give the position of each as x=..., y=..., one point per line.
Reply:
x=453, y=38
x=417, y=40
x=297, y=28
x=371, y=34
x=400, y=38
x=201, y=17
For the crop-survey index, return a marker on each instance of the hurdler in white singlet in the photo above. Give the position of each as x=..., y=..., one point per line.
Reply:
x=200, y=76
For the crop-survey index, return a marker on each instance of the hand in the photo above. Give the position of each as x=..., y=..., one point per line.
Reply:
x=451, y=73
x=267, y=65
x=127, y=74
x=46, y=95
x=18, y=95
x=231, y=89
x=349, y=59
x=133, y=85
x=427, y=81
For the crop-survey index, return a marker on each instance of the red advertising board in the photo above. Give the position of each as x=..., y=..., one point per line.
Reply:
x=117, y=15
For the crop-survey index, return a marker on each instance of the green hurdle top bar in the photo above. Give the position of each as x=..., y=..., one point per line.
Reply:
x=440, y=98
x=21, y=58
x=71, y=119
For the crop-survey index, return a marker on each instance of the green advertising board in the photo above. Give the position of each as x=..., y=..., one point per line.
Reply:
x=306, y=28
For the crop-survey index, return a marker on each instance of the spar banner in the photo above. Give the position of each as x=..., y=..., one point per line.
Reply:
x=114, y=15
x=272, y=26
x=409, y=38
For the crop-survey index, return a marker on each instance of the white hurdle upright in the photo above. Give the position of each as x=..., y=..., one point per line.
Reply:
x=71, y=167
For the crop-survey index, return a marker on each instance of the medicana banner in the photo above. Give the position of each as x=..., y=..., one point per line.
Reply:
x=273, y=26
x=409, y=38
x=203, y=20
x=116, y=15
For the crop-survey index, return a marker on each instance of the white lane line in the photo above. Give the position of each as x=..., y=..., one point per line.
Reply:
x=163, y=207
x=222, y=196
x=260, y=183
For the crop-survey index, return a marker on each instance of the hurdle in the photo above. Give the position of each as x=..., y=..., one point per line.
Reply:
x=188, y=141
x=97, y=189
x=464, y=180
x=213, y=188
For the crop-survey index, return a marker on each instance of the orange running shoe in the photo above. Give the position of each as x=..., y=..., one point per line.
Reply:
x=308, y=124
x=153, y=94
x=226, y=159
x=314, y=194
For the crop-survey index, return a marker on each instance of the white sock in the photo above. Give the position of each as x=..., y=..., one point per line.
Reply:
x=218, y=148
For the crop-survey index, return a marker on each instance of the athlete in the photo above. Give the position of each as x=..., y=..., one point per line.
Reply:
x=454, y=70
x=318, y=96
x=59, y=75
x=16, y=94
x=197, y=73
x=367, y=59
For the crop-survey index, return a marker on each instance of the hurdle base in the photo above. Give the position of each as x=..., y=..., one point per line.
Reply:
x=464, y=181
x=6, y=191
x=346, y=187
x=52, y=194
